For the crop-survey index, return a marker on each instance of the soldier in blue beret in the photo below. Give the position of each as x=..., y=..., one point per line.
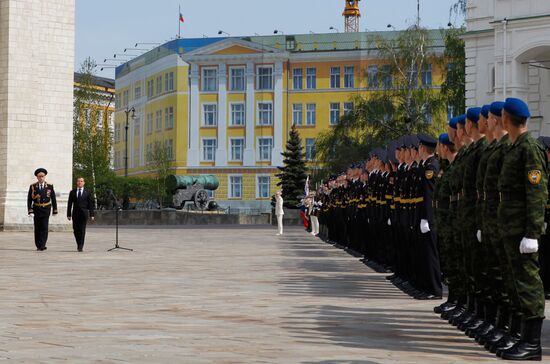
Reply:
x=523, y=188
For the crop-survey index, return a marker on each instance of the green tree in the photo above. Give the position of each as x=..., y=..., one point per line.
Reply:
x=160, y=163
x=92, y=139
x=404, y=102
x=293, y=172
x=454, y=84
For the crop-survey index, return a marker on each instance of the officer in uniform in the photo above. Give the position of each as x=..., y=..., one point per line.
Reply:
x=523, y=188
x=40, y=202
x=544, y=250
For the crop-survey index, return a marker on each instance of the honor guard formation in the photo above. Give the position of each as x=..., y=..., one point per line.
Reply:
x=469, y=210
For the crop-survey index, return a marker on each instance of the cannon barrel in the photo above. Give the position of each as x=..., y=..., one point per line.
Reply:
x=209, y=182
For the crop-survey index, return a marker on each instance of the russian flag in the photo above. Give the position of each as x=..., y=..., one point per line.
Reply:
x=181, y=18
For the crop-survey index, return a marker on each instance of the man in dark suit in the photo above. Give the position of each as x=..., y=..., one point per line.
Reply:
x=40, y=201
x=80, y=209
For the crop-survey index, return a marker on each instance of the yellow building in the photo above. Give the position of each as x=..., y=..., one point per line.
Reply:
x=225, y=106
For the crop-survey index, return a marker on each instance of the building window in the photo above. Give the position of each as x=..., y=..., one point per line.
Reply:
x=236, y=81
x=427, y=75
x=237, y=149
x=169, y=117
x=125, y=97
x=237, y=114
x=149, y=123
x=149, y=153
x=208, y=150
x=137, y=91
x=311, y=114
x=209, y=79
x=235, y=187
x=169, y=148
x=349, y=77
x=117, y=132
x=159, y=85
x=310, y=148
x=263, y=184
x=169, y=81
x=210, y=114
x=348, y=107
x=265, y=145
x=334, y=77
x=137, y=127
x=298, y=79
x=311, y=78
x=334, y=113
x=386, y=77
x=297, y=114
x=158, y=120
x=372, y=76
x=150, y=89
x=265, y=113
x=265, y=78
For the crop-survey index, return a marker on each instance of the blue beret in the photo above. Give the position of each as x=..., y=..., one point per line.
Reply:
x=496, y=108
x=517, y=107
x=462, y=119
x=427, y=140
x=412, y=141
x=473, y=114
x=444, y=139
x=485, y=111
x=453, y=122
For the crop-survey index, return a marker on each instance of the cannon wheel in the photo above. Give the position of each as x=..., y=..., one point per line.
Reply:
x=201, y=199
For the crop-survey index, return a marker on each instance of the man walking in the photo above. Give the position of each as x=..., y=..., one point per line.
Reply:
x=40, y=201
x=80, y=208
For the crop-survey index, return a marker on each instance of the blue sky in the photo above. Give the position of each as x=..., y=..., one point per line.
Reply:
x=105, y=27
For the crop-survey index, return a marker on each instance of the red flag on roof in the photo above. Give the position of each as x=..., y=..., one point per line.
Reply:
x=181, y=18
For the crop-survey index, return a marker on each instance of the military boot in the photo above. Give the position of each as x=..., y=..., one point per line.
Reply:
x=508, y=341
x=488, y=325
x=479, y=319
x=501, y=328
x=529, y=347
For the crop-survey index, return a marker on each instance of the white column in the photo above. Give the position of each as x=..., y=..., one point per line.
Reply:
x=221, y=152
x=249, y=154
x=276, y=157
x=194, y=118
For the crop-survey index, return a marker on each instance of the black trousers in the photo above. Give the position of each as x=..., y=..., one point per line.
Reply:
x=79, y=229
x=429, y=268
x=41, y=231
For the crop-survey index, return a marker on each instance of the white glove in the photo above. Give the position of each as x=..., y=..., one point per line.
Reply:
x=545, y=226
x=424, y=226
x=478, y=235
x=389, y=222
x=528, y=246
x=31, y=215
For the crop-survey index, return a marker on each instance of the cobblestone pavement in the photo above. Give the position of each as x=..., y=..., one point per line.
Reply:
x=210, y=295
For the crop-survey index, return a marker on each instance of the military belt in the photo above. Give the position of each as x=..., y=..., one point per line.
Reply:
x=42, y=204
x=512, y=196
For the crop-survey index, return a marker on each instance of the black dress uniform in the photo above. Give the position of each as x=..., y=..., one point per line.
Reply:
x=80, y=208
x=40, y=202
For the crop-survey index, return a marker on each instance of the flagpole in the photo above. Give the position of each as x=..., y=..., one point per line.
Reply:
x=179, y=21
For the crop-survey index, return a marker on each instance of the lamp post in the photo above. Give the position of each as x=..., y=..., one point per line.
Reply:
x=128, y=112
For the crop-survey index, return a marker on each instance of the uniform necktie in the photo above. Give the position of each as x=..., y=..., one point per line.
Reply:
x=79, y=193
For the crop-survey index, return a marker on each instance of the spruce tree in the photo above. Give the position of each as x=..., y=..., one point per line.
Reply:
x=293, y=172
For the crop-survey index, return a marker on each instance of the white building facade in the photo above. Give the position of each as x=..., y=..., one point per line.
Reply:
x=508, y=55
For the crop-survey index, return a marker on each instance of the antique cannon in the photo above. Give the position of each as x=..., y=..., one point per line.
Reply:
x=191, y=188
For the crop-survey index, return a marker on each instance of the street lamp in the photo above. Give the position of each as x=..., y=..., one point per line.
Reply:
x=128, y=112
x=220, y=32
x=276, y=31
x=334, y=28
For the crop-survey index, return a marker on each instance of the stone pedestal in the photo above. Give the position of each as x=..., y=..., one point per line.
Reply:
x=36, y=103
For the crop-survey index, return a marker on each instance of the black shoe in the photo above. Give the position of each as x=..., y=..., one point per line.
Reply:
x=547, y=295
x=392, y=277
x=472, y=327
x=482, y=331
x=506, y=343
x=444, y=307
x=529, y=347
x=493, y=338
x=429, y=296
x=80, y=249
x=457, y=312
x=44, y=248
x=465, y=317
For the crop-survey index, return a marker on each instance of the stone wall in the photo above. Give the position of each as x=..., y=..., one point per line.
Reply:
x=174, y=217
x=36, y=102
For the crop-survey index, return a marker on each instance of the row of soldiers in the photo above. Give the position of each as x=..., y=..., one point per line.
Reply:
x=468, y=209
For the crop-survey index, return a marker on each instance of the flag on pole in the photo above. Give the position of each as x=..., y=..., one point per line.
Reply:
x=181, y=18
x=306, y=187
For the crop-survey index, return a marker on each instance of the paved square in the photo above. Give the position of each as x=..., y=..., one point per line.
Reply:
x=210, y=295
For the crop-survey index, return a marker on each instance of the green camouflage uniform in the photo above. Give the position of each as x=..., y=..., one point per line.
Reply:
x=522, y=185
